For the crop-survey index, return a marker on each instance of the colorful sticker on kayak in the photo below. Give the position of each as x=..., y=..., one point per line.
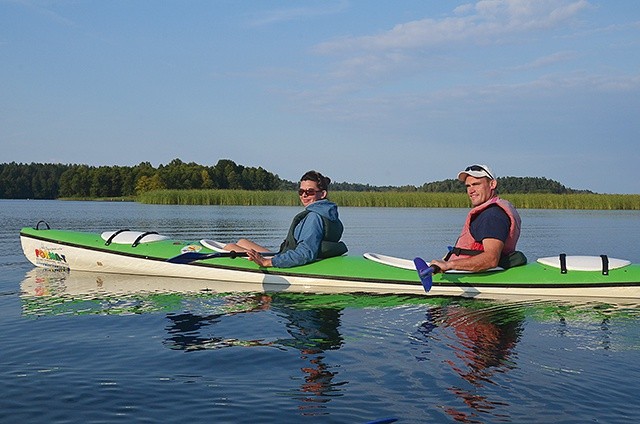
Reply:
x=191, y=248
x=50, y=258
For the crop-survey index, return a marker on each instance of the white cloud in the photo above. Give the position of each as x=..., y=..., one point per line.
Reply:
x=479, y=23
x=419, y=45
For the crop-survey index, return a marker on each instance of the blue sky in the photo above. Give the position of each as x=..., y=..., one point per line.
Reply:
x=385, y=93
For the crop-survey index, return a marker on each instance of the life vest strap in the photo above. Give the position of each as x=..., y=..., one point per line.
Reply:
x=459, y=251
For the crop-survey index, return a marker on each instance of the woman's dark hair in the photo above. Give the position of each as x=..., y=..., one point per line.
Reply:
x=322, y=181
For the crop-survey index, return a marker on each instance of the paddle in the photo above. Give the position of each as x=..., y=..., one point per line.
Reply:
x=188, y=257
x=425, y=272
x=383, y=421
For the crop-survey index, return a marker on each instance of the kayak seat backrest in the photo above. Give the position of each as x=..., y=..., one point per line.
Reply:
x=516, y=258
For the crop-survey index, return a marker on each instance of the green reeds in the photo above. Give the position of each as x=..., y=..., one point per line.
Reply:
x=220, y=197
x=399, y=199
x=388, y=199
x=575, y=201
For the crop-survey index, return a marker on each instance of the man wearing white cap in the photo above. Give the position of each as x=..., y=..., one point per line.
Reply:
x=491, y=230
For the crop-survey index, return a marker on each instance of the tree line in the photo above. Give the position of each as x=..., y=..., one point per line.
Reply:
x=52, y=181
x=508, y=185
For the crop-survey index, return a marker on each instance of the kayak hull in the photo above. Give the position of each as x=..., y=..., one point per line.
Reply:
x=81, y=251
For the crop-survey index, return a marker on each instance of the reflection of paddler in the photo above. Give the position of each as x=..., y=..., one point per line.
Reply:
x=185, y=326
x=318, y=379
x=486, y=338
x=313, y=331
x=489, y=339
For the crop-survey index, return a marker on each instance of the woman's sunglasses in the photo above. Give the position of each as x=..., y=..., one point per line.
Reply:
x=309, y=192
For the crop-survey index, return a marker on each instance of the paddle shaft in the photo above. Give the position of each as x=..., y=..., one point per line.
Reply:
x=189, y=257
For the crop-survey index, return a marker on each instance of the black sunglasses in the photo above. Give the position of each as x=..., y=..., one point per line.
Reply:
x=478, y=168
x=309, y=192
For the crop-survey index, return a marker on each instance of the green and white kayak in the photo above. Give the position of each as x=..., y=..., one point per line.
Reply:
x=151, y=254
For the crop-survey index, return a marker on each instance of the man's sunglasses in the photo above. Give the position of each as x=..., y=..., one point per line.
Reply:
x=478, y=168
x=308, y=192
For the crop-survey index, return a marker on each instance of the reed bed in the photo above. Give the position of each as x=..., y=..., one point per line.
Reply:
x=219, y=197
x=400, y=199
x=575, y=201
x=388, y=199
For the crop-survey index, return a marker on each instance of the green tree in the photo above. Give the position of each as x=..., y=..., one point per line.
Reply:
x=207, y=182
x=75, y=182
x=146, y=183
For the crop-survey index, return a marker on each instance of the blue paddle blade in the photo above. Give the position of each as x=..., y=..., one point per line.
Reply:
x=189, y=257
x=425, y=272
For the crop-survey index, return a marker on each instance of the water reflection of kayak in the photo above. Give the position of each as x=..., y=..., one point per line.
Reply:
x=150, y=254
x=55, y=292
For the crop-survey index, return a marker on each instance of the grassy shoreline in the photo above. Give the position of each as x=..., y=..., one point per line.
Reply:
x=389, y=199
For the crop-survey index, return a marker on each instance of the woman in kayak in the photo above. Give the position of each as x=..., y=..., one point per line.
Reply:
x=314, y=233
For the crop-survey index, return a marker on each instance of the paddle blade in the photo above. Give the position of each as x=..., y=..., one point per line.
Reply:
x=425, y=272
x=189, y=257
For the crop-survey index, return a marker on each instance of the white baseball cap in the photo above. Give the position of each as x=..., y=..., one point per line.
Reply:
x=477, y=171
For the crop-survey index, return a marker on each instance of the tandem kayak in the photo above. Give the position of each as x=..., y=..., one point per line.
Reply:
x=151, y=254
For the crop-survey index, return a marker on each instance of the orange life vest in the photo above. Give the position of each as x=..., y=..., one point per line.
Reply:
x=467, y=246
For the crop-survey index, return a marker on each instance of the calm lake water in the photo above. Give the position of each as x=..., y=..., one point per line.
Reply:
x=87, y=348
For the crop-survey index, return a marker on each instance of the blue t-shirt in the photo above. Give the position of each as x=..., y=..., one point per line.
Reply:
x=492, y=222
